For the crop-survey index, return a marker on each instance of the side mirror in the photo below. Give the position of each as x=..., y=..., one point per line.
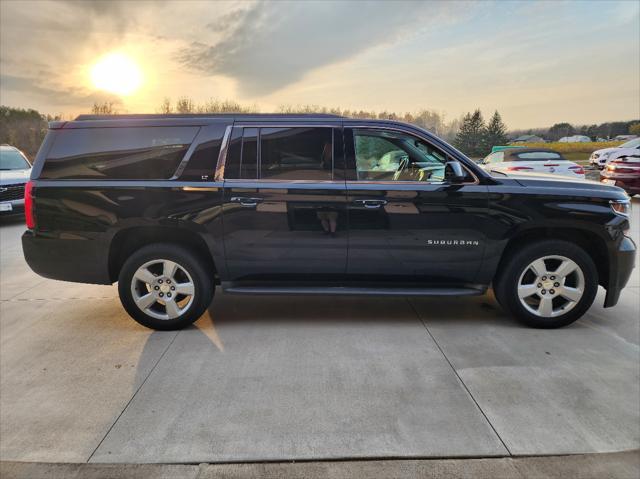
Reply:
x=453, y=172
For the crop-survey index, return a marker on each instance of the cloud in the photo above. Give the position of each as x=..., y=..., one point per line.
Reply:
x=268, y=46
x=116, y=15
x=62, y=96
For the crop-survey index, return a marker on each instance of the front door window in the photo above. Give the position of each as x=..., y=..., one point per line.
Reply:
x=393, y=156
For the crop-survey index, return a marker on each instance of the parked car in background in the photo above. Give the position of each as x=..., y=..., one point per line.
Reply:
x=532, y=160
x=528, y=139
x=15, y=170
x=625, y=137
x=575, y=139
x=600, y=158
x=623, y=172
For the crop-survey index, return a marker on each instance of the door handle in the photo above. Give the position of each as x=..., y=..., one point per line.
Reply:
x=245, y=201
x=370, y=204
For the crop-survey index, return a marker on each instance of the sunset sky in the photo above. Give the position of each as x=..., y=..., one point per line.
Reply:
x=538, y=63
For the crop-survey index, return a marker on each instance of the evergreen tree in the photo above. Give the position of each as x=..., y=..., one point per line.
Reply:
x=495, y=133
x=470, y=138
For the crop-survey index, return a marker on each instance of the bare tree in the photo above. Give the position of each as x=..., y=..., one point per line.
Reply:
x=185, y=105
x=165, y=106
x=104, y=108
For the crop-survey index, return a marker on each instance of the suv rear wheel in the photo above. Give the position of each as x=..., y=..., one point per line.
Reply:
x=548, y=284
x=164, y=287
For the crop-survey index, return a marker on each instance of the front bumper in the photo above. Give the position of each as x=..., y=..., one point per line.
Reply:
x=621, y=264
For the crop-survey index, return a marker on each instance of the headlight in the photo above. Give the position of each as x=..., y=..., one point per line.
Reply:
x=621, y=207
x=604, y=156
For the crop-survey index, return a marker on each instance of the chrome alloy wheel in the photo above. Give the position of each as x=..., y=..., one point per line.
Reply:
x=551, y=286
x=162, y=289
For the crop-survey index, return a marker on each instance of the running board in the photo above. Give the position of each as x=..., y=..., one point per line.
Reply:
x=350, y=291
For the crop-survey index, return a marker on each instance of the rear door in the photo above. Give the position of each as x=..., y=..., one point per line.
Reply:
x=406, y=221
x=285, y=202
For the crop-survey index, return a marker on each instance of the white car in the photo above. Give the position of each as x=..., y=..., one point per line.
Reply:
x=575, y=139
x=531, y=160
x=600, y=158
x=14, y=173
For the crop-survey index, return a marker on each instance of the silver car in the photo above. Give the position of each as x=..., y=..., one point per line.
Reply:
x=15, y=170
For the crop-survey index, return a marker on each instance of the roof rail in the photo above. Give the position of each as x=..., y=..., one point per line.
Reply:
x=145, y=116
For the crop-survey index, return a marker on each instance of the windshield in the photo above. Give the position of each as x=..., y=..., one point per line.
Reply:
x=635, y=143
x=13, y=160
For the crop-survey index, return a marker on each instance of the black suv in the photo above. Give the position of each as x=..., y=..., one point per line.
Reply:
x=171, y=205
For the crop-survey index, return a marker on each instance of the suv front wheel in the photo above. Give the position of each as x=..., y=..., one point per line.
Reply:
x=164, y=287
x=548, y=284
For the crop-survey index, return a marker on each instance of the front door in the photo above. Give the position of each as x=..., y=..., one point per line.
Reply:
x=285, y=203
x=406, y=221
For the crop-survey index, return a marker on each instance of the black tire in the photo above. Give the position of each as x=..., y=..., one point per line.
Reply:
x=189, y=264
x=506, y=285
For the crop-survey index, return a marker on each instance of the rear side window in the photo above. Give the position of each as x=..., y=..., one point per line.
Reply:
x=539, y=155
x=242, y=156
x=299, y=153
x=142, y=153
x=296, y=153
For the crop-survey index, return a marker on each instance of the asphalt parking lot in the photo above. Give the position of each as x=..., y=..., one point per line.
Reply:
x=281, y=378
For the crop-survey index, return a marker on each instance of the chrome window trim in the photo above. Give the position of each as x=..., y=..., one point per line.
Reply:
x=280, y=125
x=238, y=180
x=400, y=183
x=187, y=156
x=411, y=182
x=222, y=155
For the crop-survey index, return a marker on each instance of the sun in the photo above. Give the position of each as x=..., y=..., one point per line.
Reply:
x=116, y=73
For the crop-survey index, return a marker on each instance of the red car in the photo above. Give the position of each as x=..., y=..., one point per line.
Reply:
x=623, y=172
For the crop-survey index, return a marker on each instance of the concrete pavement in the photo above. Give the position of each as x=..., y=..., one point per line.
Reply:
x=622, y=465
x=281, y=378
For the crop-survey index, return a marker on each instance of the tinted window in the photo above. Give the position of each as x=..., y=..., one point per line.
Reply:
x=234, y=150
x=12, y=160
x=118, y=153
x=539, y=155
x=393, y=156
x=242, y=155
x=296, y=153
x=249, y=161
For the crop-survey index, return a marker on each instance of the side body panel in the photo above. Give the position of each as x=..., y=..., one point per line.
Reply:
x=428, y=233
x=78, y=220
x=521, y=206
x=281, y=236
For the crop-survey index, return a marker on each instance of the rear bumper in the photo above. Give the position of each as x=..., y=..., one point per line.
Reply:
x=621, y=264
x=629, y=183
x=77, y=260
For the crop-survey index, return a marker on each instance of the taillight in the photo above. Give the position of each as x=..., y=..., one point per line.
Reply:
x=622, y=166
x=519, y=168
x=29, y=215
x=578, y=170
